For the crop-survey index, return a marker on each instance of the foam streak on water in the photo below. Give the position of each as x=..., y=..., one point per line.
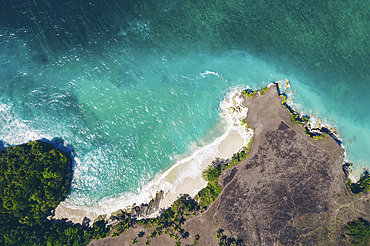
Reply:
x=231, y=141
x=132, y=87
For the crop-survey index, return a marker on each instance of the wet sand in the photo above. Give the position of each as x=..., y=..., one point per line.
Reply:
x=185, y=176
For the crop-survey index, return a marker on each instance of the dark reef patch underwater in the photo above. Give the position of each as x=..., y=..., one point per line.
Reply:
x=132, y=85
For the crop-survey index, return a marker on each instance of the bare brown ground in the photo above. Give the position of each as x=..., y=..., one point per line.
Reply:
x=290, y=190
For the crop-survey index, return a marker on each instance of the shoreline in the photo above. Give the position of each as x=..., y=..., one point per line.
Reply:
x=184, y=177
x=232, y=143
x=281, y=174
x=316, y=126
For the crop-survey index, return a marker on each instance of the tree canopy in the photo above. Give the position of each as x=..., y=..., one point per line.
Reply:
x=33, y=180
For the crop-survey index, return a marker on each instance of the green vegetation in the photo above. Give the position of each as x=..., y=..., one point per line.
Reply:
x=358, y=232
x=125, y=223
x=33, y=180
x=317, y=137
x=244, y=122
x=134, y=241
x=264, y=90
x=363, y=185
x=305, y=119
x=207, y=195
x=171, y=220
x=294, y=118
x=284, y=99
x=250, y=93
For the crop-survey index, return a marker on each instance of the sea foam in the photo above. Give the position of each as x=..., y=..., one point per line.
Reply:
x=188, y=169
x=15, y=130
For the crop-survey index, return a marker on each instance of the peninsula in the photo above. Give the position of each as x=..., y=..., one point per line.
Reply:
x=291, y=189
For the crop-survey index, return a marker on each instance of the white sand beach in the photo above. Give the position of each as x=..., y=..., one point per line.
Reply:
x=184, y=177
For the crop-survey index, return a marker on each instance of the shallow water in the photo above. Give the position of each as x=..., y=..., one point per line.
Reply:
x=132, y=86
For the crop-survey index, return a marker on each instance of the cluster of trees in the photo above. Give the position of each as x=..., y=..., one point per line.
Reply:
x=363, y=185
x=34, y=178
x=169, y=222
x=358, y=232
x=33, y=181
x=207, y=195
x=53, y=234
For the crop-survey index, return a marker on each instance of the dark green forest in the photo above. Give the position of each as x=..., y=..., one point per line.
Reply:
x=34, y=178
x=33, y=181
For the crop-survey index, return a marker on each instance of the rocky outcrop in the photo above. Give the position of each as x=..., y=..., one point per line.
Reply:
x=347, y=168
x=145, y=210
x=316, y=129
x=141, y=211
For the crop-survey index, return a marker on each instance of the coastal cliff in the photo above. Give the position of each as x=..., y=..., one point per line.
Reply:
x=290, y=190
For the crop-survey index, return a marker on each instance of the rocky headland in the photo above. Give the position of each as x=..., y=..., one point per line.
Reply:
x=290, y=190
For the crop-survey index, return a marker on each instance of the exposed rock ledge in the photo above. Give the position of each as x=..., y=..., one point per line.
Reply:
x=137, y=212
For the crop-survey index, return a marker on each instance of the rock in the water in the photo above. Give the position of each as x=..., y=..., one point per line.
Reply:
x=319, y=122
x=287, y=84
x=233, y=100
x=230, y=110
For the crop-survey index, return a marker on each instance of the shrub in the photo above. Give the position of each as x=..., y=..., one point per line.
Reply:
x=358, y=232
x=363, y=185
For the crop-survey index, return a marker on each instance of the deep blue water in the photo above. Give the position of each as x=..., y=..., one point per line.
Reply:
x=131, y=85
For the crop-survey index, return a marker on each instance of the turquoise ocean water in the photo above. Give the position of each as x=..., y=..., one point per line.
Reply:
x=132, y=85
